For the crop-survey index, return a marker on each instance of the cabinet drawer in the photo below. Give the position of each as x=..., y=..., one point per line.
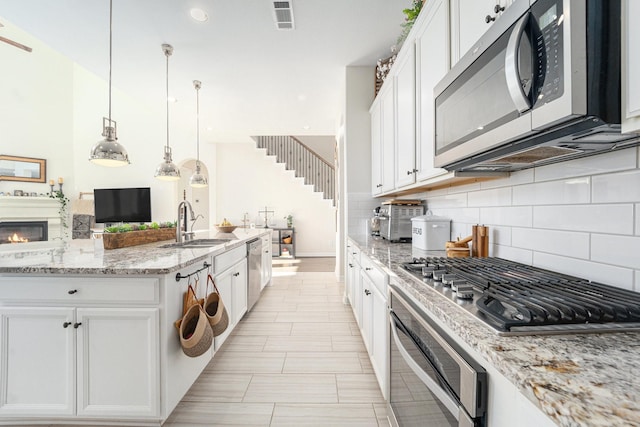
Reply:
x=229, y=258
x=353, y=252
x=266, y=241
x=379, y=278
x=74, y=290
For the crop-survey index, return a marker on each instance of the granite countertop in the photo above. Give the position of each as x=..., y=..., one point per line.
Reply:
x=576, y=379
x=84, y=257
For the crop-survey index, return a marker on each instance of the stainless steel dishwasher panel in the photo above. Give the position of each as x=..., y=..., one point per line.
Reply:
x=254, y=258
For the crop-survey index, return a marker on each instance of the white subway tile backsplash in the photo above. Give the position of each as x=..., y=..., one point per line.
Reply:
x=555, y=242
x=500, y=235
x=514, y=254
x=568, y=191
x=460, y=230
x=636, y=285
x=516, y=178
x=493, y=197
x=618, y=187
x=465, y=215
x=602, y=163
x=616, y=250
x=637, y=213
x=447, y=201
x=603, y=273
x=464, y=188
x=507, y=216
x=614, y=219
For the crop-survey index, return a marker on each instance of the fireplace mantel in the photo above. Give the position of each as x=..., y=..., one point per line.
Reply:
x=32, y=209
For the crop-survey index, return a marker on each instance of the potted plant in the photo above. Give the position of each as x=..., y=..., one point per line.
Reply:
x=411, y=14
x=125, y=235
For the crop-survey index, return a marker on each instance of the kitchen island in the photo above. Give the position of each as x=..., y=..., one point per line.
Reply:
x=575, y=379
x=87, y=334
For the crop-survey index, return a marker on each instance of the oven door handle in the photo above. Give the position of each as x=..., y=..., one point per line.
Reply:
x=439, y=393
x=511, y=68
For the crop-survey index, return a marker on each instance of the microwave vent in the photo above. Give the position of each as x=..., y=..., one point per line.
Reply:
x=534, y=155
x=283, y=15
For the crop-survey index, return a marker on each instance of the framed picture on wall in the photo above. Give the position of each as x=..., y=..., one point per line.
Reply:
x=25, y=169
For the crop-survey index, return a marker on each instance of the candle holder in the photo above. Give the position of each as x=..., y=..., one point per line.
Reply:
x=59, y=188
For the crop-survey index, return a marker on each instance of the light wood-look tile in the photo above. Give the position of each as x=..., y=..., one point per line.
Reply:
x=313, y=305
x=243, y=362
x=248, y=343
x=218, y=387
x=256, y=328
x=301, y=316
x=322, y=363
x=260, y=316
x=358, y=388
x=321, y=328
x=292, y=388
x=324, y=415
x=189, y=414
x=298, y=343
x=347, y=343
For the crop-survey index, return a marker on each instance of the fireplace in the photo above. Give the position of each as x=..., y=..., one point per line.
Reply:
x=23, y=231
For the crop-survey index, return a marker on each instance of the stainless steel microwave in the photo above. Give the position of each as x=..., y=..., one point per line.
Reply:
x=542, y=85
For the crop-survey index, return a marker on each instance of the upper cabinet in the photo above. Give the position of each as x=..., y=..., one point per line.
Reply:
x=630, y=66
x=405, y=84
x=383, y=141
x=470, y=19
x=432, y=63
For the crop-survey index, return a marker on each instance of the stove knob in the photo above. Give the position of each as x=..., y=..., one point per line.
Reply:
x=465, y=292
x=447, y=279
x=427, y=271
x=457, y=283
x=437, y=275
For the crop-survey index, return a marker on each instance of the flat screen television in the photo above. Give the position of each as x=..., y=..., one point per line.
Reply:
x=122, y=204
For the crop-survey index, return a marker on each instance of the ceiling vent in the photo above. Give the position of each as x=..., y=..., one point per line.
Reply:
x=283, y=15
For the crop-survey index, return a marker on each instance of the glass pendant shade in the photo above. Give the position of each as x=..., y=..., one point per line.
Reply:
x=108, y=152
x=167, y=170
x=198, y=180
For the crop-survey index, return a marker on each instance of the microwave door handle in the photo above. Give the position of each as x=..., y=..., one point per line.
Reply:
x=438, y=392
x=511, y=69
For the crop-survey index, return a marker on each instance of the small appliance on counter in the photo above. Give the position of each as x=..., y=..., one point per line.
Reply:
x=430, y=232
x=374, y=225
x=395, y=219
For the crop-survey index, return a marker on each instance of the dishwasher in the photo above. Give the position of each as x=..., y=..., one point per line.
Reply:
x=254, y=258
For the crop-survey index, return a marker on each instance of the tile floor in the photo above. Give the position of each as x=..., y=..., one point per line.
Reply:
x=297, y=359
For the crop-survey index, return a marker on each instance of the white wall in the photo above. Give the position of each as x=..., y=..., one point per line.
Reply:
x=580, y=217
x=52, y=108
x=248, y=180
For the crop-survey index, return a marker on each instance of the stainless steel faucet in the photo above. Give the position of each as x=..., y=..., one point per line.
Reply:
x=179, y=234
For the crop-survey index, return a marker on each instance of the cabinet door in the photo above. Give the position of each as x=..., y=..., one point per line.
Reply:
x=267, y=267
x=37, y=344
x=376, y=149
x=388, y=140
x=357, y=295
x=432, y=63
x=118, y=362
x=630, y=66
x=380, y=338
x=239, y=287
x=405, y=153
x=468, y=23
x=367, y=312
x=224, y=282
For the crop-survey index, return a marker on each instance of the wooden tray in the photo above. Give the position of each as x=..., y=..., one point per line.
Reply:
x=134, y=238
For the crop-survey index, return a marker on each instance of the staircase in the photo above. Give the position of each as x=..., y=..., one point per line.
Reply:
x=305, y=162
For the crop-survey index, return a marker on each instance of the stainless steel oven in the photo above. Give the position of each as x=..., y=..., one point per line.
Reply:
x=433, y=382
x=542, y=85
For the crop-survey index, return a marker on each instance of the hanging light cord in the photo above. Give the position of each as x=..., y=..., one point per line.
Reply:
x=198, y=123
x=167, y=55
x=110, y=50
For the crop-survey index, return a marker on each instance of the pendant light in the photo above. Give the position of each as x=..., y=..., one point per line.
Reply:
x=108, y=152
x=167, y=170
x=198, y=180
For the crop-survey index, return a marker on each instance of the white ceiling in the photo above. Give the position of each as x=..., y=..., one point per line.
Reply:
x=256, y=80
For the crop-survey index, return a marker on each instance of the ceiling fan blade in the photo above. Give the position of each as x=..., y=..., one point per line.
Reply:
x=16, y=44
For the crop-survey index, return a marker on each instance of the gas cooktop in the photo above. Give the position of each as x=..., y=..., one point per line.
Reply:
x=518, y=299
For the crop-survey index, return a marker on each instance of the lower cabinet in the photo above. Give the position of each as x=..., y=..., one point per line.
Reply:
x=86, y=355
x=267, y=267
x=367, y=291
x=232, y=284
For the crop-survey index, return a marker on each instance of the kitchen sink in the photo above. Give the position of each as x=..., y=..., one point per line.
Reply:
x=198, y=243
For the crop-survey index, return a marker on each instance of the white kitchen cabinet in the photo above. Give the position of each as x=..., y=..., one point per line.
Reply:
x=117, y=362
x=432, y=64
x=470, y=19
x=405, y=117
x=383, y=140
x=353, y=273
x=86, y=355
x=231, y=280
x=35, y=345
x=374, y=322
x=630, y=66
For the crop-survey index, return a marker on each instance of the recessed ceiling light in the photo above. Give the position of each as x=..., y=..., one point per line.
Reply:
x=306, y=127
x=171, y=99
x=199, y=14
x=209, y=128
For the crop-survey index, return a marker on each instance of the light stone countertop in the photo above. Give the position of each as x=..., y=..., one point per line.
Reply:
x=576, y=379
x=83, y=257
